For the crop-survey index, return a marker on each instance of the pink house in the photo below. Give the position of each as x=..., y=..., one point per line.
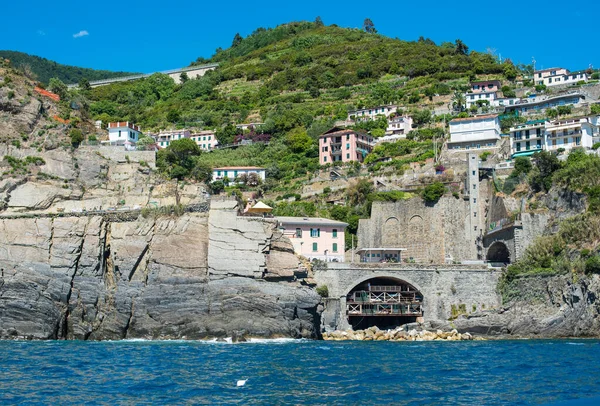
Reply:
x=485, y=86
x=315, y=237
x=343, y=145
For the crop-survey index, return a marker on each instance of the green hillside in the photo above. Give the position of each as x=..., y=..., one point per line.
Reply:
x=296, y=73
x=44, y=69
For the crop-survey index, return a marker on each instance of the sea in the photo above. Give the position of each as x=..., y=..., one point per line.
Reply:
x=300, y=372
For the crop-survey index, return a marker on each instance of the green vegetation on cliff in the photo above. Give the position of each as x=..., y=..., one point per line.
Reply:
x=43, y=69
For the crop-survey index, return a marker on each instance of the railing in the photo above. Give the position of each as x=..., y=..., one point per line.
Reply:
x=564, y=134
x=384, y=310
x=383, y=297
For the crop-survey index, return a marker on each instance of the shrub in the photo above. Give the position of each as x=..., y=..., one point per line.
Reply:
x=323, y=291
x=592, y=264
x=76, y=136
x=484, y=155
x=433, y=192
x=10, y=94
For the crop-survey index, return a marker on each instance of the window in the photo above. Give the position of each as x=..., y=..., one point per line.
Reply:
x=474, y=186
x=299, y=232
x=577, y=140
x=235, y=174
x=472, y=97
x=348, y=146
x=335, y=247
x=334, y=232
x=324, y=159
x=315, y=247
x=474, y=200
x=474, y=214
x=218, y=173
x=119, y=133
x=315, y=232
x=473, y=173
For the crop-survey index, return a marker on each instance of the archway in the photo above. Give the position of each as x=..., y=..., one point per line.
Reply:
x=383, y=302
x=498, y=253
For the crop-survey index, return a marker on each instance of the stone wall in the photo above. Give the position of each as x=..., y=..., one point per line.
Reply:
x=429, y=232
x=444, y=288
x=120, y=155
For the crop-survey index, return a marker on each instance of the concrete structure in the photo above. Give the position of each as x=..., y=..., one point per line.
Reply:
x=206, y=140
x=558, y=76
x=445, y=290
x=483, y=91
x=192, y=72
x=164, y=137
x=343, y=145
x=536, y=104
x=234, y=172
x=528, y=138
x=371, y=113
x=400, y=125
x=474, y=132
x=315, y=237
x=572, y=133
x=123, y=133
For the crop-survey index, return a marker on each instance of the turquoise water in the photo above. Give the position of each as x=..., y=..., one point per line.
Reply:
x=299, y=372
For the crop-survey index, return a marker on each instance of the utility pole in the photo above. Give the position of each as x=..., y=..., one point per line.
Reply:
x=533, y=62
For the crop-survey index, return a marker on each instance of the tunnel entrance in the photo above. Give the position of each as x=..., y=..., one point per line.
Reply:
x=383, y=302
x=498, y=253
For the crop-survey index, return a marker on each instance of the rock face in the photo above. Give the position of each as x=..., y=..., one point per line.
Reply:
x=398, y=334
x=87, y=278
x=551, y=306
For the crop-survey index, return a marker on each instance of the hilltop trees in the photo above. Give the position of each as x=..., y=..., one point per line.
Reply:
x=369, y=27
x=237, y=40
x=461, y=48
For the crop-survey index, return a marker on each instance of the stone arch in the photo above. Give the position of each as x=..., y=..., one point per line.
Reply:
x=498, y=252
x=383, y=301
x=415, y=224
x=391, y=232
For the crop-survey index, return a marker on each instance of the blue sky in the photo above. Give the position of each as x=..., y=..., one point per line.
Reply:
x=146, y=36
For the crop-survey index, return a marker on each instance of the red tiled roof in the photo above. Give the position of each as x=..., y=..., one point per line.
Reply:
x=224, y=168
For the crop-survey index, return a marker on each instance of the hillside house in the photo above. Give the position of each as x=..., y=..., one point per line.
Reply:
x=371, y=113
x=401, y=125
x=234, y=172
x=343, y=145
x=572, y=133
x=527, y=139
x=165, y=137
x=315, y=237
x=206, y=140
x=483, y=91
x=123, y=133
x=558, y=76
x=474, y=132
x=536, y=104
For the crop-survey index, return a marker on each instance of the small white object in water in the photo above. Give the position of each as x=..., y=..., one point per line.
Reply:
x=241, y=382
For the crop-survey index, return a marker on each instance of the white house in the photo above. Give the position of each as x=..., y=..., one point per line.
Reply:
x=399, y=125
x=474, y=132
x=572, y=133
x=315, y=237
x=372, y=112
x=558, y=76
x=164, y=137
x=123, y=133
x=234, y=172
x=529, y=138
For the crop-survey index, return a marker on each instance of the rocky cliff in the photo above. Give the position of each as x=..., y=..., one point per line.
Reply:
x=89, y=278
x=540, y=307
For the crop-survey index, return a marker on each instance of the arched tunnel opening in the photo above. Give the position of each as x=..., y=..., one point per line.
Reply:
x=498, y=253
x=383, y=302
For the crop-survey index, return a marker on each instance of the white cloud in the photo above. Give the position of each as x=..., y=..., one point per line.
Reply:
x=80, y=34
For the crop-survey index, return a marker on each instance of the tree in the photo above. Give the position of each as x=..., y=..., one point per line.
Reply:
x=421, y=117
x=552, y=113
x=369, y=27
x=178, y=159
x=510, y=72
x=595, y=109
x=173, y=116
x=84, y=84
x=237, y=40
x=319, y=21
x=217, y=187
x=298, y=140
x=57, y=86
x=226, y=135
x=144, y=141
x=541, y=177
x=564, y=110
x=358, y=191
x=459, y=101
x=253, y=179
x=183, y=77
x=461, y=48
x=202, y=172
x=76, y=136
